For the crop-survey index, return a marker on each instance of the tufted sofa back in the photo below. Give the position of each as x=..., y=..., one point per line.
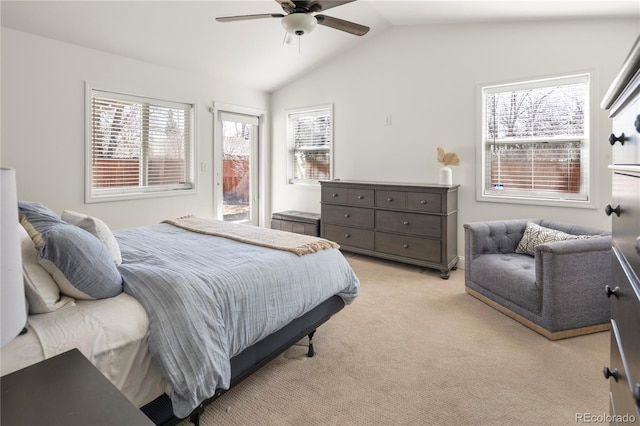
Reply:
x=503, y=236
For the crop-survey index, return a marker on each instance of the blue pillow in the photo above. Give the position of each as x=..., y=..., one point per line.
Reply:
x=78, y=261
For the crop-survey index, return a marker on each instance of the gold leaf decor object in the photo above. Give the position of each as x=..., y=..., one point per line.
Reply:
x=448, y=158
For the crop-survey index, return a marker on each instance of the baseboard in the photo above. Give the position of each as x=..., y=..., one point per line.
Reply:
x=557, y=335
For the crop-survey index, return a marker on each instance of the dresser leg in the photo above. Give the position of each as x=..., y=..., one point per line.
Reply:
x=444, y=274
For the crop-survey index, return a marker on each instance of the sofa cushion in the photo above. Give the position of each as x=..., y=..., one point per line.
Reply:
x=535, y=234
x=512, y=276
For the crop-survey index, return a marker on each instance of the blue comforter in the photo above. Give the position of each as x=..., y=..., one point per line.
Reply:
x=208, y=298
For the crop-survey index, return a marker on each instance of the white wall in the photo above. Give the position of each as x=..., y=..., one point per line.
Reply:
x=43, y=113
x=426, y=78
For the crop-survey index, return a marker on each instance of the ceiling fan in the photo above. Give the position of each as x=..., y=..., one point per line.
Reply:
x=300, y=17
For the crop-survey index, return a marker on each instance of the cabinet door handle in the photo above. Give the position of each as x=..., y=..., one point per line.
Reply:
x=622, y=138
x=608, y=210
x=347, y=215
x=360, y=197
x=608, y=373
x=612, y=292
x=390, y=199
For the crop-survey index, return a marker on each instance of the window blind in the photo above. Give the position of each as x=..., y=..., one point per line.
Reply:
x=310, y=135
x=536, y=138
x=139, y=145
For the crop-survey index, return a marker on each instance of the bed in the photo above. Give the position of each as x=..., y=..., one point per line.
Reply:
x=175, y=313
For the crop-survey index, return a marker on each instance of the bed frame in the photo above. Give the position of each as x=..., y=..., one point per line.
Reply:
x=253, y=358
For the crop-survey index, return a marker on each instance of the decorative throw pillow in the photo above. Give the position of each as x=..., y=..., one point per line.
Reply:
x=41, y=290
x=98, y=228
x=535, y=234
x=79, y=262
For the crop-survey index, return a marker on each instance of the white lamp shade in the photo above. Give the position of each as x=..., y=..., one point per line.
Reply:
x=299, y=23
x=13, y=313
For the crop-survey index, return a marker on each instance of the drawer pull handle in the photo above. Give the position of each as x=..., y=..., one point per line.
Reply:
x=334, y=195
x=360, y=197
x=423, y=202
x=638, y=244
x=406, y=222
x=405, y=246
x=636, y=393
x=637, y=123
x=608, y=210
x=390, y=199
x=347, y=235
x=609, y=292
x=613, y=139
x=347, y=215
x=608, y=373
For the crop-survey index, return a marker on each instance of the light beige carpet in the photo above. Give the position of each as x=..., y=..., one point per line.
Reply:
x=414, y=349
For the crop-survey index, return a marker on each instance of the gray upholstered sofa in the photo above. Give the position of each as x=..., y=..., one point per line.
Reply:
x=558, y=292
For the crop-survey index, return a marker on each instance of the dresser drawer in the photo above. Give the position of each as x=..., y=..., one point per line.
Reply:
x=622, y=399
x=625, y=310
x=346, y=215
x=354, y=237
x=361, y=197
x=424, y=202
x=332, y=194
x=350, y=196
x=409, y=246
x=629, y=153
x=409, y=223
x=391, y=199
x=626, y=227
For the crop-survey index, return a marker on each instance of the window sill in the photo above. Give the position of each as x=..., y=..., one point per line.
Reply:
x=505, y=199
x=89, y=199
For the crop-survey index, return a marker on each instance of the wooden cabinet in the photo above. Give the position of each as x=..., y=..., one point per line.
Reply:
x=623, y=371
x=415, y=224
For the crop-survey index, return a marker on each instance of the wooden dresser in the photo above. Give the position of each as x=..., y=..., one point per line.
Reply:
x=409, y=223
x=623, y=102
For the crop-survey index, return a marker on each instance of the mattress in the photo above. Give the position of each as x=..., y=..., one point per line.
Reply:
x=112, y=333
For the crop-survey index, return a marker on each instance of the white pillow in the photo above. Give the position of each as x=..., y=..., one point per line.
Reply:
x=41, y=290
x=98, y=228
x=535, y=234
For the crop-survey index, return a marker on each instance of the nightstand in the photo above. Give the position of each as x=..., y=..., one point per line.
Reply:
x=65, y=390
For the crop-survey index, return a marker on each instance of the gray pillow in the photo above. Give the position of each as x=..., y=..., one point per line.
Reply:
x=97, y=228
x=79, y=262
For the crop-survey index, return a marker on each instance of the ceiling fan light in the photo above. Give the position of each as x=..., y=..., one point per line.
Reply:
x=299, y=23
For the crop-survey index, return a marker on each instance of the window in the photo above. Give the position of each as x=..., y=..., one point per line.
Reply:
x=137, y=146
x=310, y=139
x=535, y=141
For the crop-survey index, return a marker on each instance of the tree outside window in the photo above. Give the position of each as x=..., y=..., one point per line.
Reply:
x=535, y=139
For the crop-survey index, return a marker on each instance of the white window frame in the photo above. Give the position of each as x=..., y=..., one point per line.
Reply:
x=587, y=150
x=93, y=195
x=290, y=113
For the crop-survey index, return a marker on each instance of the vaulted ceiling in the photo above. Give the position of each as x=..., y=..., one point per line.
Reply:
x=256, y=53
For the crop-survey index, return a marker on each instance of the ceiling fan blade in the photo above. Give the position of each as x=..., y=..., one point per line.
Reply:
x=287, y=5
x=248, y=17
x=342, y=25
x=321, y=5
